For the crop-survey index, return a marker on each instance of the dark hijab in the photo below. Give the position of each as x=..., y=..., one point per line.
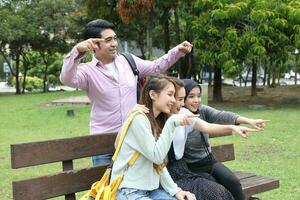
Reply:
x=189, y=85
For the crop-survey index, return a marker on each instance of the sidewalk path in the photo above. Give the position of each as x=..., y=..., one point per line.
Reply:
x=5, y=88
x=72, y=100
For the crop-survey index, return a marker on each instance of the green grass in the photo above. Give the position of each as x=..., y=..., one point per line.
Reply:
x=274, y=152
x=28, y=118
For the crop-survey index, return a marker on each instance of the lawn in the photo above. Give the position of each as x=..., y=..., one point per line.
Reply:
x=27, y=118
x=274, y=152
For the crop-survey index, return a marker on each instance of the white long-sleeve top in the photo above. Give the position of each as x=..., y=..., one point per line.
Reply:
x=181, y=134
x=142, y=174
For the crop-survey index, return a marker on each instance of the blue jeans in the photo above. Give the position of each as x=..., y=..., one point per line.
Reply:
x=102, y=159
x=135, y=194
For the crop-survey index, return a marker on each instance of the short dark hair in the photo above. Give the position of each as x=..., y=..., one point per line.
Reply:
x=94, y=28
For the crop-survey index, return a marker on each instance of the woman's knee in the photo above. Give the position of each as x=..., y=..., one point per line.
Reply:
x=232, y=180
x=160, y=194
x=225, y=175
x=129, y=193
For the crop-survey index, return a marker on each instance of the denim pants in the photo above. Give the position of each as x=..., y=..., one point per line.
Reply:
x=135, y=194
x=101, y=159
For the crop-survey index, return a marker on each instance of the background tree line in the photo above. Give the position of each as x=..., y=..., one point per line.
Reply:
x=229, y=37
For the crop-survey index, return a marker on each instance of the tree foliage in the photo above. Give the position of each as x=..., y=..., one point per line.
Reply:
x=230, y=37
x=40, y=25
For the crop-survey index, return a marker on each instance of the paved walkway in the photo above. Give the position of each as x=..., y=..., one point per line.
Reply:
x=71, y=100
x=5, y=88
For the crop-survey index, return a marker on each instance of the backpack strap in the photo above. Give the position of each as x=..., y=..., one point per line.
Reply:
x=132, y=64
x=123, y=134
x=140, y=81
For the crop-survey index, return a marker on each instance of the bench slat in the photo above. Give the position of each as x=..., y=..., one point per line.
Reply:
x=58, y=184
x=31, y=154
x=257, y=184
x=36, y=153
x=223, y=152
x=243, y=175
x=66, y=150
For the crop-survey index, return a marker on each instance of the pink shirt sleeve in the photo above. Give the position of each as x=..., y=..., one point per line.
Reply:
x=74, y=74
x=159, y=65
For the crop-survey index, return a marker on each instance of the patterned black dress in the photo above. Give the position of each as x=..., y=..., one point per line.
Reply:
x=202, y=185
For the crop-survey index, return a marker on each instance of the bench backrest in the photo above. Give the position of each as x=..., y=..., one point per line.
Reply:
x=70, y=180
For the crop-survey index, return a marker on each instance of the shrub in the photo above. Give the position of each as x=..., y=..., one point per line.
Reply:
x=32, y=83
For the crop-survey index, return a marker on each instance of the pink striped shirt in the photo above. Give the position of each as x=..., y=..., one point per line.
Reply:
x=111, y=99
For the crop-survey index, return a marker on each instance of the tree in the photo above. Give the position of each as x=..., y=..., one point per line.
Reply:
x=136, y=10
x=272, y=28
x=52, y=23
x=15, y=34
x=216, y=30
x=40, y=25
x=293, y=12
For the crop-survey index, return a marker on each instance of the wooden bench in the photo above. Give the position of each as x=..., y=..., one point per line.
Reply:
x=70, y=181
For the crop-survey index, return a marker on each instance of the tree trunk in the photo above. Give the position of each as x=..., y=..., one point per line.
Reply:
x=184, y=65
x=189, y=66
x=296, y=67
x=265, y=72
x=6, y=58
x=273, y=77
x=179, y=65
x=273, y=84
x=142, y=49
x=45, y=57
x=200, y=76
x=26, y=68
x=246, y=79
x=254, y=78
x=296, y=78
x=18, y=91
x=177, y=28
x=166, y=30
x=24, y=79
x=278, y=78
x=210, y=76
x=269, y=73
x=240, y=79
x=149, y=36
x=189, y=60
x=141, y=46
x=45, y=85
x=217, y=88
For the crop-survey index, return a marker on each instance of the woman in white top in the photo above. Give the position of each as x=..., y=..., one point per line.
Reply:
x=151, y=135
x=197, y=123
x=203, y=185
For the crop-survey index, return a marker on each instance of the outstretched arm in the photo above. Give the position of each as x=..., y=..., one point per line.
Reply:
x=258, y=124
x=147, y=67
x=215, y=129
x=213, y=115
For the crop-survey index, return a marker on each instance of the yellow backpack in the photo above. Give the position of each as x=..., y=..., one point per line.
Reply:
x=103, y=189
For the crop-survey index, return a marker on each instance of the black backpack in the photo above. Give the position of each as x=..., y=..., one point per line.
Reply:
x=140, y=80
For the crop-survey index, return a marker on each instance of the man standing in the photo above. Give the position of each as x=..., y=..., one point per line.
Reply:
x=108, y=79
